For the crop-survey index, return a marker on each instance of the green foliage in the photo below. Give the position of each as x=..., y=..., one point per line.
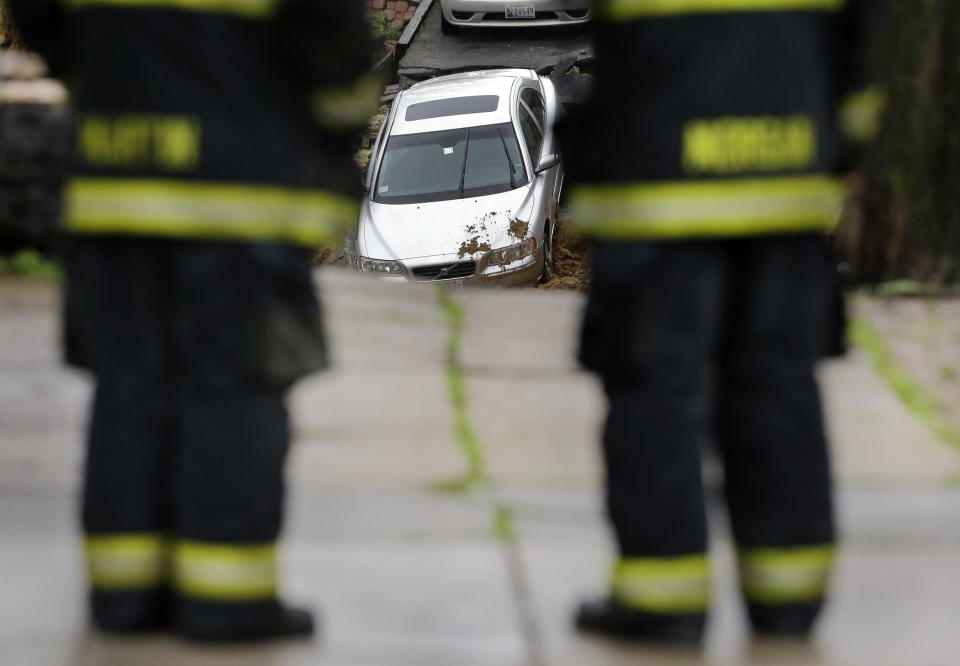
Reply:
x=476, y=472
x=380, y=27
x=30, y=263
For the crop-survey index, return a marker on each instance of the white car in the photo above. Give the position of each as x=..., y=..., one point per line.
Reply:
x=457, y=14
x=464, y=182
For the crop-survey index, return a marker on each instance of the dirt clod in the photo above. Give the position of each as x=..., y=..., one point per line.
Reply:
x=472, y=246
x=519, y=229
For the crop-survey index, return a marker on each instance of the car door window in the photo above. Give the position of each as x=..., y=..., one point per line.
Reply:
x=531, y=134
x=534, y=102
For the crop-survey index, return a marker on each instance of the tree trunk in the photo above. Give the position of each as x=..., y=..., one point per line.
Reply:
x=904, y=221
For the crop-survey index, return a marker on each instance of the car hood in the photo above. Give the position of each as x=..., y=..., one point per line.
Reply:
x=466, y=228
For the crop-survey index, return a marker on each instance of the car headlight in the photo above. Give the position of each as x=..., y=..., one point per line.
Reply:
x=380, y=266
x=511, y=253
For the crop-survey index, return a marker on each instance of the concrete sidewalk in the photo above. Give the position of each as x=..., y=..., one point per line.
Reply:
x=407, y=574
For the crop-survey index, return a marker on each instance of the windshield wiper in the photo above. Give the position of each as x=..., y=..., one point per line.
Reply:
x=463, y=168
x=513, y=184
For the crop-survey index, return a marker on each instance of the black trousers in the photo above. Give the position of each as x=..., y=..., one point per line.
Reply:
x=667, y=322
x=192, y=346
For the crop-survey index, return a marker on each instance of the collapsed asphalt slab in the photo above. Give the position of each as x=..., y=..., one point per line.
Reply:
x=558, y=52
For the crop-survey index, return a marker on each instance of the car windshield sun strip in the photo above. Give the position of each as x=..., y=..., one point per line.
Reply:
x=463, y=168
x=513, y=184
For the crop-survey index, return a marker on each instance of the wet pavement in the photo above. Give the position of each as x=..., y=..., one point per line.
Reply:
x=405, y=573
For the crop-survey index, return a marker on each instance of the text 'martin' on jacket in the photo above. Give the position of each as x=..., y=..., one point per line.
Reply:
x=211, y=119
x=720, y=118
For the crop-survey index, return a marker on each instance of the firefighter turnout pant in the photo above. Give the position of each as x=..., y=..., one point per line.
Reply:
x=665, y=323
x=192, y=346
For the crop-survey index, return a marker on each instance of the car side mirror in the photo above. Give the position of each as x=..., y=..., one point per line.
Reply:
x=547, y=162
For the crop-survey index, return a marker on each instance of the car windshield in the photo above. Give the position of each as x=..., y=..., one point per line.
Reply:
x=453, y=164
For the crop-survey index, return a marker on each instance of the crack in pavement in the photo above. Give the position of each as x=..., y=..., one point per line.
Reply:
x=476, y=477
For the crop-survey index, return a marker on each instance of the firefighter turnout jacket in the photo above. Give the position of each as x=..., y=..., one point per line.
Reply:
x=214, y=144
x=189, y=125
x=705, y=166
x=720, y=118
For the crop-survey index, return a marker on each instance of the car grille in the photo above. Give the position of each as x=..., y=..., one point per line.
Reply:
x=540, y=16
x=458, y=271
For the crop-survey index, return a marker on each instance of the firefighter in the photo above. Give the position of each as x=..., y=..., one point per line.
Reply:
x=213, y=154
x=705, y=169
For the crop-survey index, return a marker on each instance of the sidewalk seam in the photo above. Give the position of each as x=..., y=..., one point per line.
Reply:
x=914, y=397
x=477, y=477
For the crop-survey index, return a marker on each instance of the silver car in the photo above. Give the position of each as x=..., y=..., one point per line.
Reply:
x=464, y=182
x=509, y=13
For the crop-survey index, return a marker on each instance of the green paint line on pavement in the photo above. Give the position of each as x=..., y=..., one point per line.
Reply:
x=476, y=472
x=917, y=400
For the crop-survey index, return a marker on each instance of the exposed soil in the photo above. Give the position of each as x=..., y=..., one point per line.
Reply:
x=362, y=156
x=571, y=254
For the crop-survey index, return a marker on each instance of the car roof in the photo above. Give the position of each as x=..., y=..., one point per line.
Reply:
x=498, y=82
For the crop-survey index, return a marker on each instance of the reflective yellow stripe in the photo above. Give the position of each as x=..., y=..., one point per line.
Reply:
x=861, y=114
x=625, y=10
x=243, y=8
x=348, y=107
x=126, y=561
x=663, y=585
x=707, y=207
x=225, y=572
x=207, y=210
x=783, y=575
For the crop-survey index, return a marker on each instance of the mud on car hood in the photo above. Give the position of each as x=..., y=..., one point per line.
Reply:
x=466, y=228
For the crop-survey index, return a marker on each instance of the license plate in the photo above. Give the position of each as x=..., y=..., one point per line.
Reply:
x=454, y=284
x=521, y=12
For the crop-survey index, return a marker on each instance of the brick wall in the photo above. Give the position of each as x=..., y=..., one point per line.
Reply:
x=396, y=12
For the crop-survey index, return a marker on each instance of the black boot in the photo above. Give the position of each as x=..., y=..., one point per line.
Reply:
x=784, y=620
x=609, y=618
x=133, y=612
x=237, y=622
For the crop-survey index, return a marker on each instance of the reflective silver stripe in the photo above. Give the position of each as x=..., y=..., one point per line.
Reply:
x=783, y=575
x=208, y=210
x=663, y=585
x=707, y=207
x=624, y=10
x=242, y=8
x=125, y=561
x=225, y=572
